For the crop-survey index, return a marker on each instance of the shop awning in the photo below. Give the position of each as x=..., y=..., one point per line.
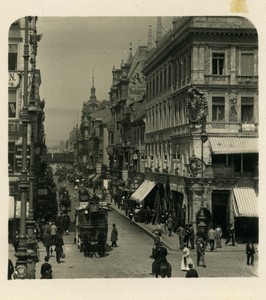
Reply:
x=245, y=202
x=143, y=190
x=96, y=177
x=230, y=145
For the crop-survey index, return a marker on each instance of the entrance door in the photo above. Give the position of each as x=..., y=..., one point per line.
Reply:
x=220, y=216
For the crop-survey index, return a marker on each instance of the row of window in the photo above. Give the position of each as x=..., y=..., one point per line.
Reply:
x=162, y=118
x=164, y=78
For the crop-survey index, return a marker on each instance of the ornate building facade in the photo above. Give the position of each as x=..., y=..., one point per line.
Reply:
x=219, y=57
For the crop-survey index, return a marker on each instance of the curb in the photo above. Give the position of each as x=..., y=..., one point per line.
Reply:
x=142, y=227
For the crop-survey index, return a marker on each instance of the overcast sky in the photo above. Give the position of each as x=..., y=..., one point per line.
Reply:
x=70, y=49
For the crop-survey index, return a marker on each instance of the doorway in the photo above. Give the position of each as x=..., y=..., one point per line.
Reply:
x=220, y=210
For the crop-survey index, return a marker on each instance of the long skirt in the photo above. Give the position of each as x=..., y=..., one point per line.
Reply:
x=184, y=263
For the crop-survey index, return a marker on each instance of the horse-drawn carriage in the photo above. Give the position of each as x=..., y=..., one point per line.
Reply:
x=91, y=217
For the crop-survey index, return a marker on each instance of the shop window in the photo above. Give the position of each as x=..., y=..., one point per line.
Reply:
x=219, y=159
x=247, y=64
x=250, y=162
x=247, y=110
x=218, y=109
x=12, y=57
x=218, y=63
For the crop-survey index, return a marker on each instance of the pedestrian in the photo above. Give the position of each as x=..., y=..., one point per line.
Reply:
x=46, y=269
x=186, y=237
x=201, y=235
x=211, y=237
x=200, y=246
x=181, y=234
x=218, y=236
x=47, y=242
x=86, y=243
x=160, y=253
x=45, y=228
x=170, y=224
x=162, y=217
x=10, y=270
x=66, y=223
x=114, y=236
x=153, y=216
x=191, y=272
x=116, y=198
x=186, y=259
x=130, y=215
x=126, y=207
x=101, y=242
x=157, y=240
x=250, y=251
x=59, y=243
x=191, y=236
x=147, y=215
x=231, y=236
x=53, y=230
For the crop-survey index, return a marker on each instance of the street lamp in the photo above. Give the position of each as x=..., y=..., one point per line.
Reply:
x=202, y=218
x=22, y=264
x=197, y=114
x=33, y=110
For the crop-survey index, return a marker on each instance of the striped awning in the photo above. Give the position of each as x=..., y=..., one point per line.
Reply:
x=229, y=145
x=245, y=202
x=143, y=190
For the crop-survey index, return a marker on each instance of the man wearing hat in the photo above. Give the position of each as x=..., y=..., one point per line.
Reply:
x=191, y=272
x=46, y=269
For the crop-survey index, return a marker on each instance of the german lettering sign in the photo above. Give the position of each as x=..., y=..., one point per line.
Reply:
x=13, y=79
x=18, y=157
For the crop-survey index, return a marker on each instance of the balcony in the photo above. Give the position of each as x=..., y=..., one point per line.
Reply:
x=217, y=79
x=246, y=80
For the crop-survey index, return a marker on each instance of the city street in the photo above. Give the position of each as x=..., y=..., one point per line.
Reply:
x=131, y=259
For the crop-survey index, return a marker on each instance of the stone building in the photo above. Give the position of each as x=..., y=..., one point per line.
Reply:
x=34, y=113
x=219, y=57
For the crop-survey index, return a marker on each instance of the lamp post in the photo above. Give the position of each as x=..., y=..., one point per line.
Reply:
x=197, y=114
x=33, y=110
x=22, y=266
x=204, y=138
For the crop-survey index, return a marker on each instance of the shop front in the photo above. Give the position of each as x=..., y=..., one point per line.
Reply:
x=245, y=207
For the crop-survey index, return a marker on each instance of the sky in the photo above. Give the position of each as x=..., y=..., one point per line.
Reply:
x=71, y=50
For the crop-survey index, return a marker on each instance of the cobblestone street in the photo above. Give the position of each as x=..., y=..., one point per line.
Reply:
x=131, y=258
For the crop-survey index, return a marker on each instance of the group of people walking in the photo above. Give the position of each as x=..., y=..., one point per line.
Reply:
x=189, y=241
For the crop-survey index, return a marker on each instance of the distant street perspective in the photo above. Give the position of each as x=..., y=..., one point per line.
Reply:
x=155, y=178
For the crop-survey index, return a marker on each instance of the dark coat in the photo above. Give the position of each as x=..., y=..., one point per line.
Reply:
x=192, y=273
x=46, y=271
x=101, y=237
x=47, y=240
x=59, y=242
x=114, y=235
x=250, y=249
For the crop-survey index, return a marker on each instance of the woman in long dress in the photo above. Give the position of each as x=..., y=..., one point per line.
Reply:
x=186, y=259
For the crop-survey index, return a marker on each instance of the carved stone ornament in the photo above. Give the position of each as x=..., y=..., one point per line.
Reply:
x=196, y=106
x=195, y=166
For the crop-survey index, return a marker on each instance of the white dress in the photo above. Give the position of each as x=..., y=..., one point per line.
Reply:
x=186, y=259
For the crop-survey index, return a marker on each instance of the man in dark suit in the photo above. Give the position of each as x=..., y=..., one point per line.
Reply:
x=191, y=272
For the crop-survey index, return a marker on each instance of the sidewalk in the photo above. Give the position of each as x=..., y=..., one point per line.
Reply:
x=172, y=242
